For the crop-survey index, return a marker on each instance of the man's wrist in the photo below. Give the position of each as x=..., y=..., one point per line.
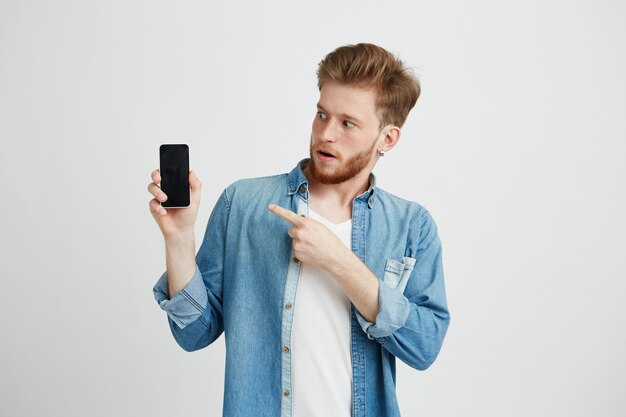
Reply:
x=181, y=238
x=346, y=260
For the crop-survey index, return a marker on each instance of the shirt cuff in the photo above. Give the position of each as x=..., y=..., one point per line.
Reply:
x=393, y=311
x=188, y=304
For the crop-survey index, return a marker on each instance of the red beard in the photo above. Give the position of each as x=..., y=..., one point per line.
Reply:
x=342, y=173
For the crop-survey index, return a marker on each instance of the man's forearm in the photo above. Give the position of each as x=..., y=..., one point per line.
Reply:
x=358, y=283
x=180, y=261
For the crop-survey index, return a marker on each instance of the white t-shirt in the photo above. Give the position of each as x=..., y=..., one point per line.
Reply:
x=321, y=360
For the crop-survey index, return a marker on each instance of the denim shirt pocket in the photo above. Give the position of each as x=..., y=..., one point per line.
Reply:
x=397, y=273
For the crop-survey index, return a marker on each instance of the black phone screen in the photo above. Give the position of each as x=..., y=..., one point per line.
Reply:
x=174, y=171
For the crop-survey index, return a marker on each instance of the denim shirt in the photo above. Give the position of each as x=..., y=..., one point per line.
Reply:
x=245, y=286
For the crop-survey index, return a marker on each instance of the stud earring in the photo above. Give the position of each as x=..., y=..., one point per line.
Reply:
x=381, y=153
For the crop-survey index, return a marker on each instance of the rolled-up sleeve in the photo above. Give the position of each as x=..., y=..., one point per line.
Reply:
x=412, y=323
x=188, y=304
x=393, y=309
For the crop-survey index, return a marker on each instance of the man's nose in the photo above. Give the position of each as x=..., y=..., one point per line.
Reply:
x=330, y=131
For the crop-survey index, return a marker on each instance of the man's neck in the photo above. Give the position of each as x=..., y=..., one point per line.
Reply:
x=336, y=196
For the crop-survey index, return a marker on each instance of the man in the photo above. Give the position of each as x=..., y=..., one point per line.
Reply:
x=318, y=278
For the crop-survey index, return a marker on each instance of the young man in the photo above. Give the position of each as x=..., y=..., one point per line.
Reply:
x=318, y=278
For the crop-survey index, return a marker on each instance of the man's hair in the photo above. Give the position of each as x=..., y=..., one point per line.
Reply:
x=370, y=66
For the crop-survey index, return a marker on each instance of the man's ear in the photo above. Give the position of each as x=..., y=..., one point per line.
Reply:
x=391, y=138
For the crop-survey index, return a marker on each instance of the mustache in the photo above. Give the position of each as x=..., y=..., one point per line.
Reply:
x=327, y=150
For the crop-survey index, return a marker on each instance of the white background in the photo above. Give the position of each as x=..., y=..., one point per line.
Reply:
x=516, y=147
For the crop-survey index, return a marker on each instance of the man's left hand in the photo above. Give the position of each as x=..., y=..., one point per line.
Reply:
x=313, y=243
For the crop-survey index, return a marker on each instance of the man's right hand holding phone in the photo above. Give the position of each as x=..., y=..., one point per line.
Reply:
x=174, y=222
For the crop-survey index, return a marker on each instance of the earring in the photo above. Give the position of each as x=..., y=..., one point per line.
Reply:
x=381, y=153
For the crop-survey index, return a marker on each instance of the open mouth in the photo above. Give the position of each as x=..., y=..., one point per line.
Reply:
x=326, y=154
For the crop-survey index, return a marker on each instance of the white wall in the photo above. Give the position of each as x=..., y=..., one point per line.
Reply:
x=516, y=146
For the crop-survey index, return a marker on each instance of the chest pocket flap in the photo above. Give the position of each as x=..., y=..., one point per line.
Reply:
x=397, y=272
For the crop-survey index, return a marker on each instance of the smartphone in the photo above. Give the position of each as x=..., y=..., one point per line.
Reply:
x=174, y=170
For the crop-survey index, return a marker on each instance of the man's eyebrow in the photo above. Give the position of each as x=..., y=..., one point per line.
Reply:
x=343, y=115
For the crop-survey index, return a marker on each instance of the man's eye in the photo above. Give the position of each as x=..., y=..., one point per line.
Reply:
x=348, y=123
x=321, y=115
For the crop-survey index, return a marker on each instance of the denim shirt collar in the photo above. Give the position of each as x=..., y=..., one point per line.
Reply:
x=297, y=183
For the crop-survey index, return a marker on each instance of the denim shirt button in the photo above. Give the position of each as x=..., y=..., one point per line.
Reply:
x=286, y=393
x=286, y=349
x=303, y=188
x=288, y=306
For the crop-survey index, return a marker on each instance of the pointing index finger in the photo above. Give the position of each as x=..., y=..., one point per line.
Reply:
x=288, y=215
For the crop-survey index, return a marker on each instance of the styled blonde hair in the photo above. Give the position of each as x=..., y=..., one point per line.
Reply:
x=370, y=66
